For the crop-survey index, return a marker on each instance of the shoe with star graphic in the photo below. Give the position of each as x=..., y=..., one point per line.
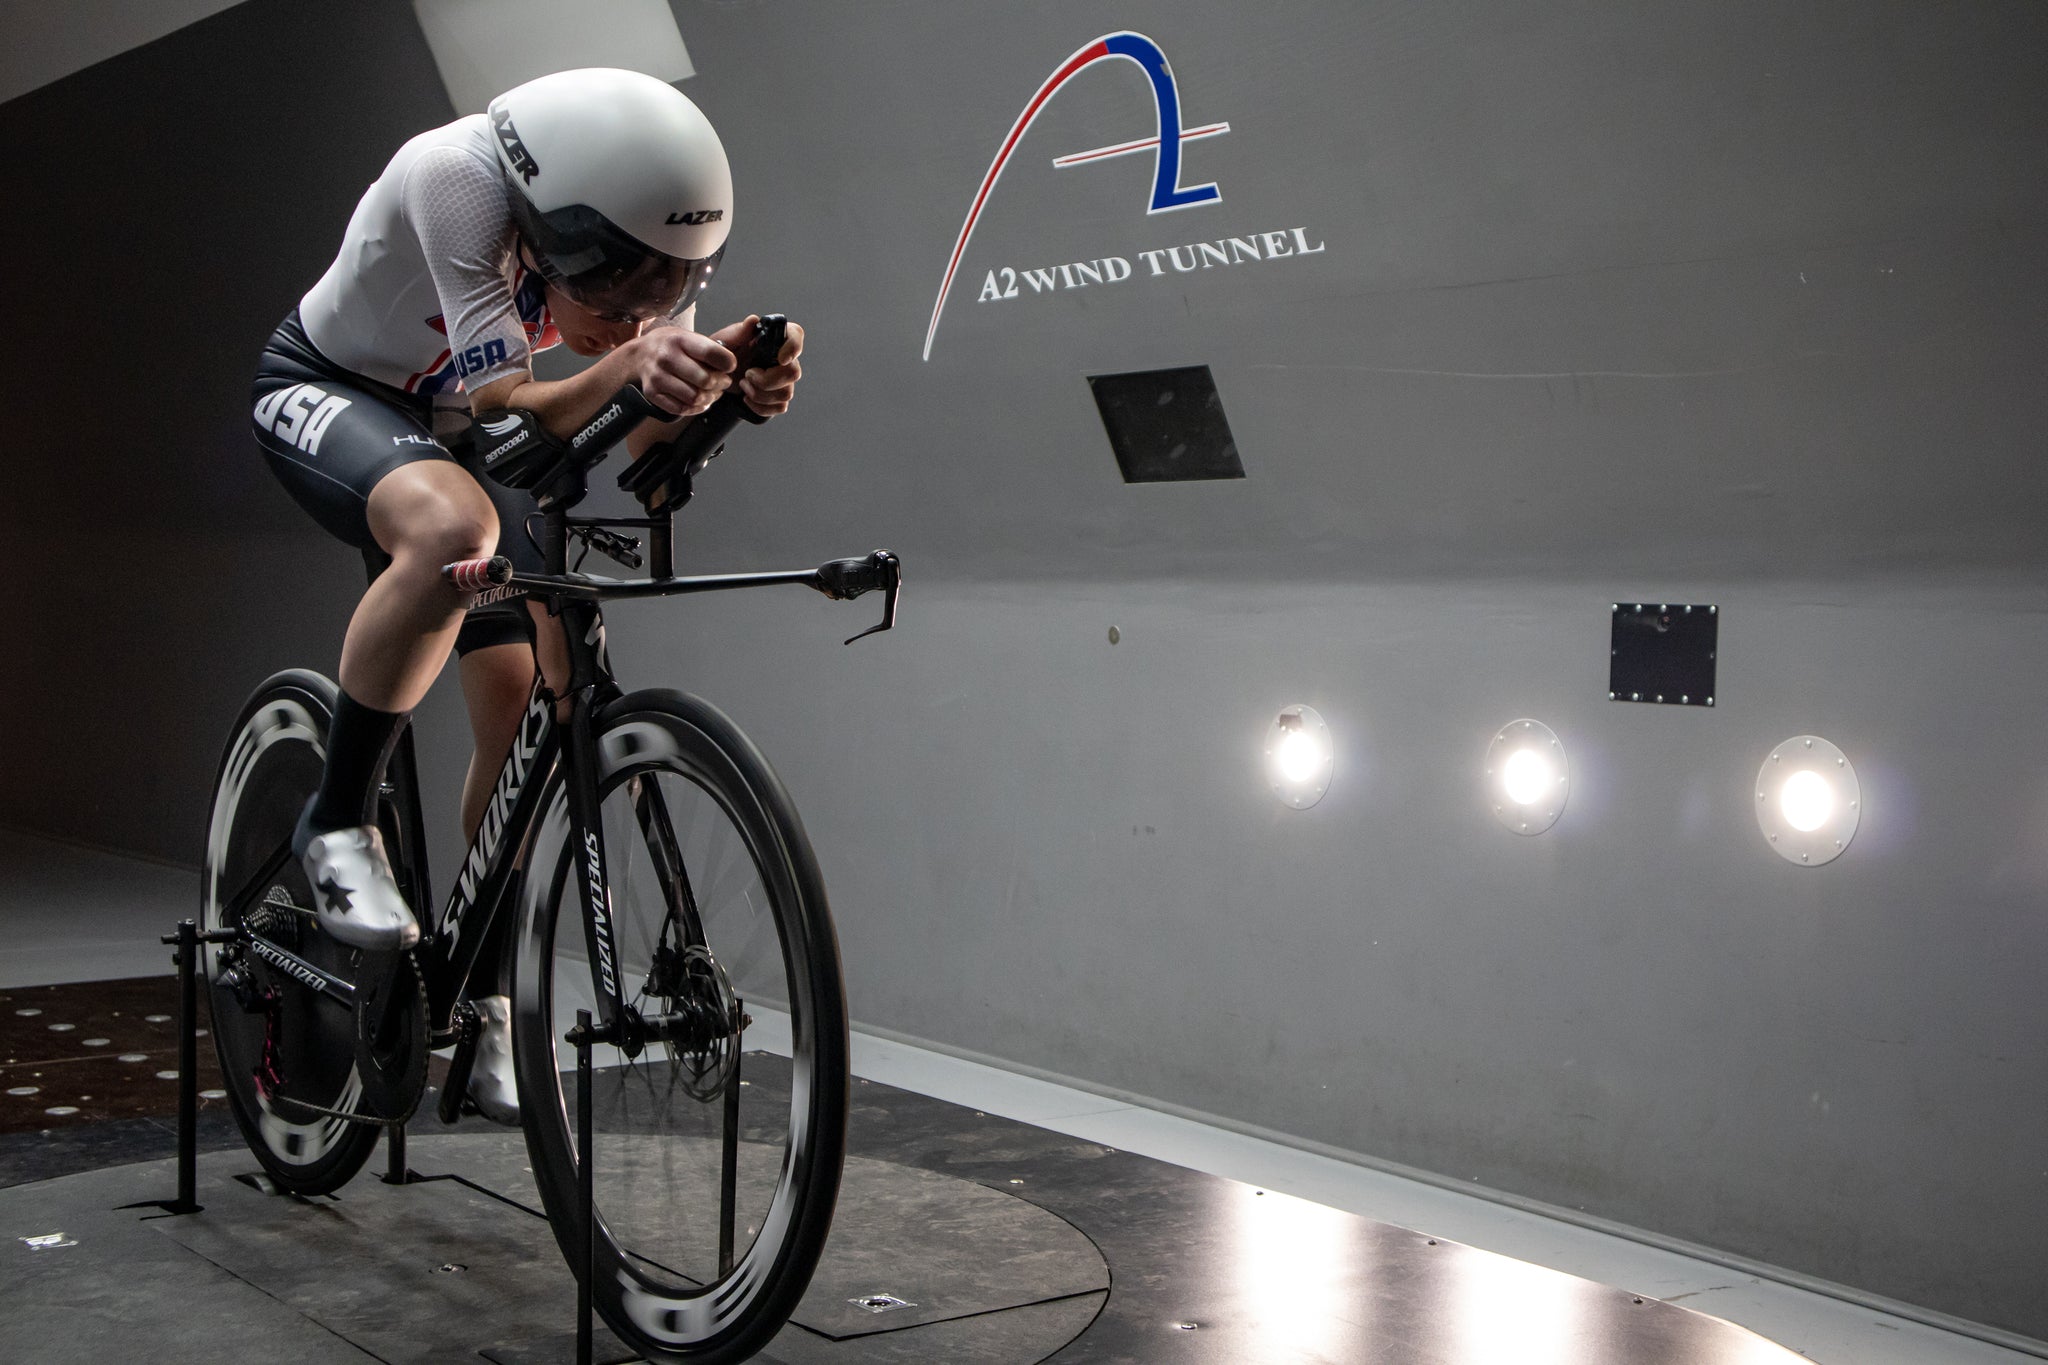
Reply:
x=357, y=897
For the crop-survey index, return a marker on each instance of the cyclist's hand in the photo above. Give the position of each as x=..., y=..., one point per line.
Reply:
x=682, y=371
x=769, y=388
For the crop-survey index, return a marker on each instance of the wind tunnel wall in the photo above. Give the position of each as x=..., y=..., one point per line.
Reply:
x=1739, y=304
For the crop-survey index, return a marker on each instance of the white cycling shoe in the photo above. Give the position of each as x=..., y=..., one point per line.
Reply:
x=493, y=1087
x=357, y=896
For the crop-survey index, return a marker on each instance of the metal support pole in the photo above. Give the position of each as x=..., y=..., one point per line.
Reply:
x=188, y=1067
x=586, y=1271
x=186, y=958
x=396, y=1172
x=729, y=1168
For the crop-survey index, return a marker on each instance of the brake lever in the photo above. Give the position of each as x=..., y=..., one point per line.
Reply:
x=892, y=571
x=888, y=617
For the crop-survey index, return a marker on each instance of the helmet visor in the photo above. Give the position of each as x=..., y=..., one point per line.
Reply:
x=601, y=268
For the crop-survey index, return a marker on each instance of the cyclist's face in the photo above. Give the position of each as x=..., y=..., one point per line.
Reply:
x=585, y=332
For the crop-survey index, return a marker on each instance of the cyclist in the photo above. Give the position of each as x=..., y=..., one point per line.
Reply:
x=588, y=208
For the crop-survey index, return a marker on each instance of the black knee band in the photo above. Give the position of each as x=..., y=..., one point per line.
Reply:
x=500, y=623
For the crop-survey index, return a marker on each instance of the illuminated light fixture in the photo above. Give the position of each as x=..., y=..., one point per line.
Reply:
x=1528, y=778
x=1299, y=756
x=483, y=47
x=1808, y=802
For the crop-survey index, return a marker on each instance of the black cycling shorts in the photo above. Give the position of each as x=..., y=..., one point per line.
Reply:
x=330, y=434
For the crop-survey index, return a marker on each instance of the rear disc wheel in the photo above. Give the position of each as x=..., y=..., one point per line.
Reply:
x=286, y=1051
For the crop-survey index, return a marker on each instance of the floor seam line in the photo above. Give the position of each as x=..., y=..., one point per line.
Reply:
x=290, y=1308
x=963, y=1317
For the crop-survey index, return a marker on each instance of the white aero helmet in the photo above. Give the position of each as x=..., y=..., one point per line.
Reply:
x=620, y=188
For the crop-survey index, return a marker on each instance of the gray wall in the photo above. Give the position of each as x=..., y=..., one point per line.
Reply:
x=1739, y=304
x=46, y=42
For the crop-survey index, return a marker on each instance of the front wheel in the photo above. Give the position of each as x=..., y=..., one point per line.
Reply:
x=720, y=1123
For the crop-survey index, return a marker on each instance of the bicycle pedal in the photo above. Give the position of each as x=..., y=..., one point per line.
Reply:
x=455, y=1099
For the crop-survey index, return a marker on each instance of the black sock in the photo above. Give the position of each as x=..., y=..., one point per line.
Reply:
x=359, y=742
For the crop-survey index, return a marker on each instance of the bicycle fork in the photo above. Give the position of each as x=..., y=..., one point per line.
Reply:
x=594, y=883
x=616, y=1024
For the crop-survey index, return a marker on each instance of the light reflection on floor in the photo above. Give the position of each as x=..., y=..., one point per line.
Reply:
x=1510, y=1310
x=1297, y=1267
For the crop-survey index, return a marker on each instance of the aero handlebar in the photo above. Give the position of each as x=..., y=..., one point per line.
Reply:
x=661, y=479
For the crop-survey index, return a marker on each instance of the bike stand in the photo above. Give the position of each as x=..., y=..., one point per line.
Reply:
x=581, y=1038
x=396, y=1172
x=186, y=941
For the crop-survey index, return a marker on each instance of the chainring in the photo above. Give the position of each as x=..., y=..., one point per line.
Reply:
x=391, y=1035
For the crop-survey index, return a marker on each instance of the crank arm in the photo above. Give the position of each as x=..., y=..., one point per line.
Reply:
x=468, y=1028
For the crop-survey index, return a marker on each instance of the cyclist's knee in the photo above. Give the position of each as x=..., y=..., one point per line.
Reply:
x=442, y=530
x=459, y=533
x=434, y=513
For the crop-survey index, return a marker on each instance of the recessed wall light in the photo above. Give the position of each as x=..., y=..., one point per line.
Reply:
x=1808, y=802
x=1299, y=756
x=1528, y=777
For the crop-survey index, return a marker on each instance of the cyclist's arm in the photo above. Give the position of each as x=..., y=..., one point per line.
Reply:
x=649, y=433
x=767, y=389
x=679, y=371
x=643, y=437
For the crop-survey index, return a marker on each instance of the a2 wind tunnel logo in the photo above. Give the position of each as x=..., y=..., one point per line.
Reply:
x=1168, y=193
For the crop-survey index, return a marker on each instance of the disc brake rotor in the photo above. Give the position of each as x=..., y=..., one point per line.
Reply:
x=704, y=1071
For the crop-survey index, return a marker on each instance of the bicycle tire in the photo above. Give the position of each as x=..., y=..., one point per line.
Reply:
x=651, y=1148
x=270, y=766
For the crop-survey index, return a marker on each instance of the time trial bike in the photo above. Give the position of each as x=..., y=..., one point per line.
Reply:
x=646, y=865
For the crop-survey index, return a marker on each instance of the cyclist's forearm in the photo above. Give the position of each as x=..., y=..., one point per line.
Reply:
x=649, y=432
x=562, y=405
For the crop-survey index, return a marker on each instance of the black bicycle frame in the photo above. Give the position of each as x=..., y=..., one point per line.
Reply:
x=491, y=870
x=488, y=878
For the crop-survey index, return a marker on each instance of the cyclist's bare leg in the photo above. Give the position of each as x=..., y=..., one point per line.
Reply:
x=495, y=685
x=424, y=515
